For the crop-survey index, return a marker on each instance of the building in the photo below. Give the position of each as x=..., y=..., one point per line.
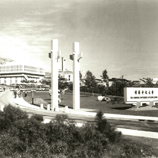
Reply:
x=13, y=73
x=155, y=80
x=63, y=72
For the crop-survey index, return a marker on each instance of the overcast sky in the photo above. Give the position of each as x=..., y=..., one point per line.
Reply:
x=120, y=36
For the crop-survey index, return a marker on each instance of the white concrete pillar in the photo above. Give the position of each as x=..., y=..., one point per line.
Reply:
x=48, y=107
x=76, y=90
x=54, y=74
x=151, y=103
x=41, y=106
x=57, y=108
x=66, y=109
x=76, y=79
x=138, y=104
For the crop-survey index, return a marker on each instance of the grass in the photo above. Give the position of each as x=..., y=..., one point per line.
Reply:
x=89, y=101
x=146, y=141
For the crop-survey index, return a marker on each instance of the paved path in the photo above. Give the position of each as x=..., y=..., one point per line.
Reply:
x=124, y=131
x=88, y=113
x=80, y=114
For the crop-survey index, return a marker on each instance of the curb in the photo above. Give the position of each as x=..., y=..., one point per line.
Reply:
x=117, y=116
x=106, y=115
x=138, y=133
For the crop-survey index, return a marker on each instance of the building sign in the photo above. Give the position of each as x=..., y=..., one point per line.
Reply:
x=133, y=94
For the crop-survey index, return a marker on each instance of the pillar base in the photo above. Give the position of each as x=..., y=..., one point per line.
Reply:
x=57, y=109
x=66, y=109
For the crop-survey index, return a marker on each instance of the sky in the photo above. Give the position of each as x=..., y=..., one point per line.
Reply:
x=120, y=36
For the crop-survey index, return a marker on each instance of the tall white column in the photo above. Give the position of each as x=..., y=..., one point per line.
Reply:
x=76, y=79
x=76, y=90
x=54, y=74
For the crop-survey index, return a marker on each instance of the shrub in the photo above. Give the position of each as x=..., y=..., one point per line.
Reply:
x=39, y=101
x=29, y=137
x=104, y=127
x=129, y=148
x=37, y=117
x=101, y=89
x=60, y=118
x=10, y=116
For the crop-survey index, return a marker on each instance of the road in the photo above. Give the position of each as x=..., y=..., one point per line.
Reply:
x=128, y=123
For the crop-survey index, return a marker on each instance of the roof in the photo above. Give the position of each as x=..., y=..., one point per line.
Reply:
x=20, y=63
x=66, y=72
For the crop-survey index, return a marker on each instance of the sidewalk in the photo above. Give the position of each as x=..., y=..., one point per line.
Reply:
x=124, y=131
x=91, y=114
x=130, y=132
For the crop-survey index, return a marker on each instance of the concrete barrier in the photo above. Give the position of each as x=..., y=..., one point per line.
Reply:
x=66, y=109
x=150, y=103
x=41, y=106
x=48, y=107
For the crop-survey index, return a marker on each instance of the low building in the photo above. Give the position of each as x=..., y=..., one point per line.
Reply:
x=63, y=72
x=66, y=74
x=13, y=73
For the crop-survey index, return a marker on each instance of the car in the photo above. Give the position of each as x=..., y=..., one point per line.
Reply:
x=41, y=89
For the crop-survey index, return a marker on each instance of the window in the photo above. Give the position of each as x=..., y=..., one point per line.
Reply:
x=11, y=80
x=16, y=80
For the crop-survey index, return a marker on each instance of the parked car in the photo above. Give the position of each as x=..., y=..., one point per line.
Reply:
x=40, y=89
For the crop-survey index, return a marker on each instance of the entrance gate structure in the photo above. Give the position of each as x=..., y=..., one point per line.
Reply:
x=55, y=55
x=76, y=56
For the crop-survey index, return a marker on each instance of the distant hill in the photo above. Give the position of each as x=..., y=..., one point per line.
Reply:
x=5, y=60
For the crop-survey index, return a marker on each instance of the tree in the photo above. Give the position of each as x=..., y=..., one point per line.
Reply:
x=105, y=77
x=90, y=80
x=117, y=87
x=62, y=83
x=148, y=82
x=46, y=81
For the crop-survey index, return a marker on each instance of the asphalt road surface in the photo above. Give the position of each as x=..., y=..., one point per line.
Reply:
x=128, y=124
